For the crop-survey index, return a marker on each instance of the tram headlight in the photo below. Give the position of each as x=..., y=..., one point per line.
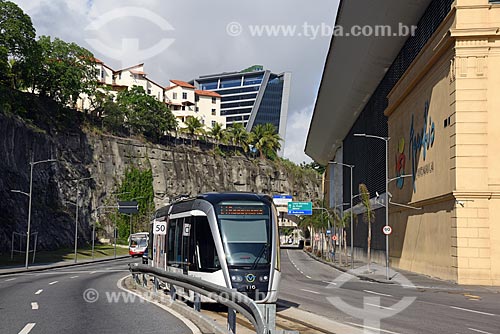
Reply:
x=264, y=279
x=237, y=278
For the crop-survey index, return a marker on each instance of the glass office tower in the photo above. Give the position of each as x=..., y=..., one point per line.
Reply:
x=252, y=96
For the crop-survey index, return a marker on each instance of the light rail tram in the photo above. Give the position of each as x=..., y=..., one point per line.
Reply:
x=230, y=239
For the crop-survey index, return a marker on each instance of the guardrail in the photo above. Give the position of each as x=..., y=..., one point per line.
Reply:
x=232, y=299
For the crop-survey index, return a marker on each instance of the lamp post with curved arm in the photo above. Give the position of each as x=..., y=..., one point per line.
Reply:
x=351, y=167
x=386, y=140
x=32, y=164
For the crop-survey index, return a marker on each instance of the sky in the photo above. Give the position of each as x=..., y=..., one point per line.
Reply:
x=185, y=39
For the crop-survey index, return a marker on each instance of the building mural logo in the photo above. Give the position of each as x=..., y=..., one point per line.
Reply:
x=400, y=164
x=420, y=141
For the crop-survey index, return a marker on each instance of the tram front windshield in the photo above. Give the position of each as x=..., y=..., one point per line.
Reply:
x=246, y=233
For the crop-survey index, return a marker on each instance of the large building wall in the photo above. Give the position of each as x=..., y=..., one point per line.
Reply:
x=455, y=234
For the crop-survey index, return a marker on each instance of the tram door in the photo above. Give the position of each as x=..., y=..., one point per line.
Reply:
x=178, y=243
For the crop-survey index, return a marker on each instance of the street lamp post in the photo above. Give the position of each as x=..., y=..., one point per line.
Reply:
x=32, y=164
x=386, y=140
x=351, y=167
x=76, y=214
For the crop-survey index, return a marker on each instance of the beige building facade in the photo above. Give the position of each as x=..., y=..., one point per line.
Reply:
x=444, y=125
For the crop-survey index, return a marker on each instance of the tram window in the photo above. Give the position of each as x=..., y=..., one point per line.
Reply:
x=171, y=241
x=243, y=231
x=206, y=254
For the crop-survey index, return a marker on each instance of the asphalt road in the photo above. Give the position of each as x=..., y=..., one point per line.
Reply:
x=444, y=308
x=54, y=302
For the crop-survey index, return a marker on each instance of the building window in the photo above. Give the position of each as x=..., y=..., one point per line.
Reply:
x=120, y=75
x=183, y=107
x=214, y=112
x=185, y=96
x=213, y=123
x=174, y=96
x=196, y=98
x=197, y=109
x=149, y=91
x=214, y=100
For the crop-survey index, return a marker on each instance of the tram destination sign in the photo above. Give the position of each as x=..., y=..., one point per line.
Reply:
x=300, y=208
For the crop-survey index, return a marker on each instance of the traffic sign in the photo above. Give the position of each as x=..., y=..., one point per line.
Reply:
x=128, y=207
x=334, y=237
x=282, y=200
x=160, y=227
x=328, y=232
x=300, y=208
x=387, y=230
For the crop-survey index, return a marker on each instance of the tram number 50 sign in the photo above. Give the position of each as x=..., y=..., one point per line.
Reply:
x=160, y=228
x=387, y=230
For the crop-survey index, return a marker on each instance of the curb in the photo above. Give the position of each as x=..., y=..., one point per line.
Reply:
x=62, y=265
x=362, y=277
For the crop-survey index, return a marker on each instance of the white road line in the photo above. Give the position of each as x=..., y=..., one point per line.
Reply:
x=34, y=306
x=73, y=276
x=332, y=283
x=472, y=311
x=368, y=327
x=309, y=277
x=10, y=279
x=92, y=272
x=479, y=331
x=27, y=328
x=380, y=306
x=316, y=293
x=51, y=283
x=377, y=293
x=38, y=292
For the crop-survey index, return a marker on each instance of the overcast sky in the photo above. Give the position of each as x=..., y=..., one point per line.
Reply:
x=185, y=39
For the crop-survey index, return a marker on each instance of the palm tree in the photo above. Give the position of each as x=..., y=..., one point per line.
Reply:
x=265, y=138
x=368, y=217
x=239, y=136
x=194, y=127
x=217, y=133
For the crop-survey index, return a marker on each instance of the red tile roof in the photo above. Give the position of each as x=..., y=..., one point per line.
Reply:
x=207, y=93
x=137, y=72
x=182, y=84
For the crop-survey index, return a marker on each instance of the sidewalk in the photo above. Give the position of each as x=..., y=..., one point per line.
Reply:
x=377, y=274
x=61, y=264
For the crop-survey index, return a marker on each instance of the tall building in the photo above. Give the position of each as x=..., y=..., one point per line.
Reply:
x=429, y=104
x=252, y=96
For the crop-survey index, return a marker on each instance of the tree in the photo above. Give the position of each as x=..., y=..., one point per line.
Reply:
x=66, y=70
x=17, y=43
x=144, y=114
x=368, y=216
x=194, y=127
x=266, y=140
x=238, y=135
x=217, y=133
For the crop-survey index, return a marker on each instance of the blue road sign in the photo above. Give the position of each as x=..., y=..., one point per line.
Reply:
x=300, y=208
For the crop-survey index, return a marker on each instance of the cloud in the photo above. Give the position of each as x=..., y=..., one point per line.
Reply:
x=296, y=132
x=202, y=44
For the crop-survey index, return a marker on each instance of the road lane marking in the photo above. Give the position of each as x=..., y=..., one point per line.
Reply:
x=27, y=328
x=309, y=277
x=92, y=272
x=34, y=306
x=10, y=279
x=377, y=293
x=473, y=311
x=368, y=327
x=380, y=306
x=317, y=293
x=479, y=331
x=51, y=283
x=38, y=292
x=332, y=283
x=73, y=276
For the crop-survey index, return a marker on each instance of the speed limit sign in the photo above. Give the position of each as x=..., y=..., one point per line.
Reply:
x=160, y=227
x=387, y=230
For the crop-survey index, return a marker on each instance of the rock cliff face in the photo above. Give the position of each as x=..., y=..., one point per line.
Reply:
x=177, y=169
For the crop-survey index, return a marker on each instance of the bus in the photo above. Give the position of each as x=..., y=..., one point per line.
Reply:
x=137, y=243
